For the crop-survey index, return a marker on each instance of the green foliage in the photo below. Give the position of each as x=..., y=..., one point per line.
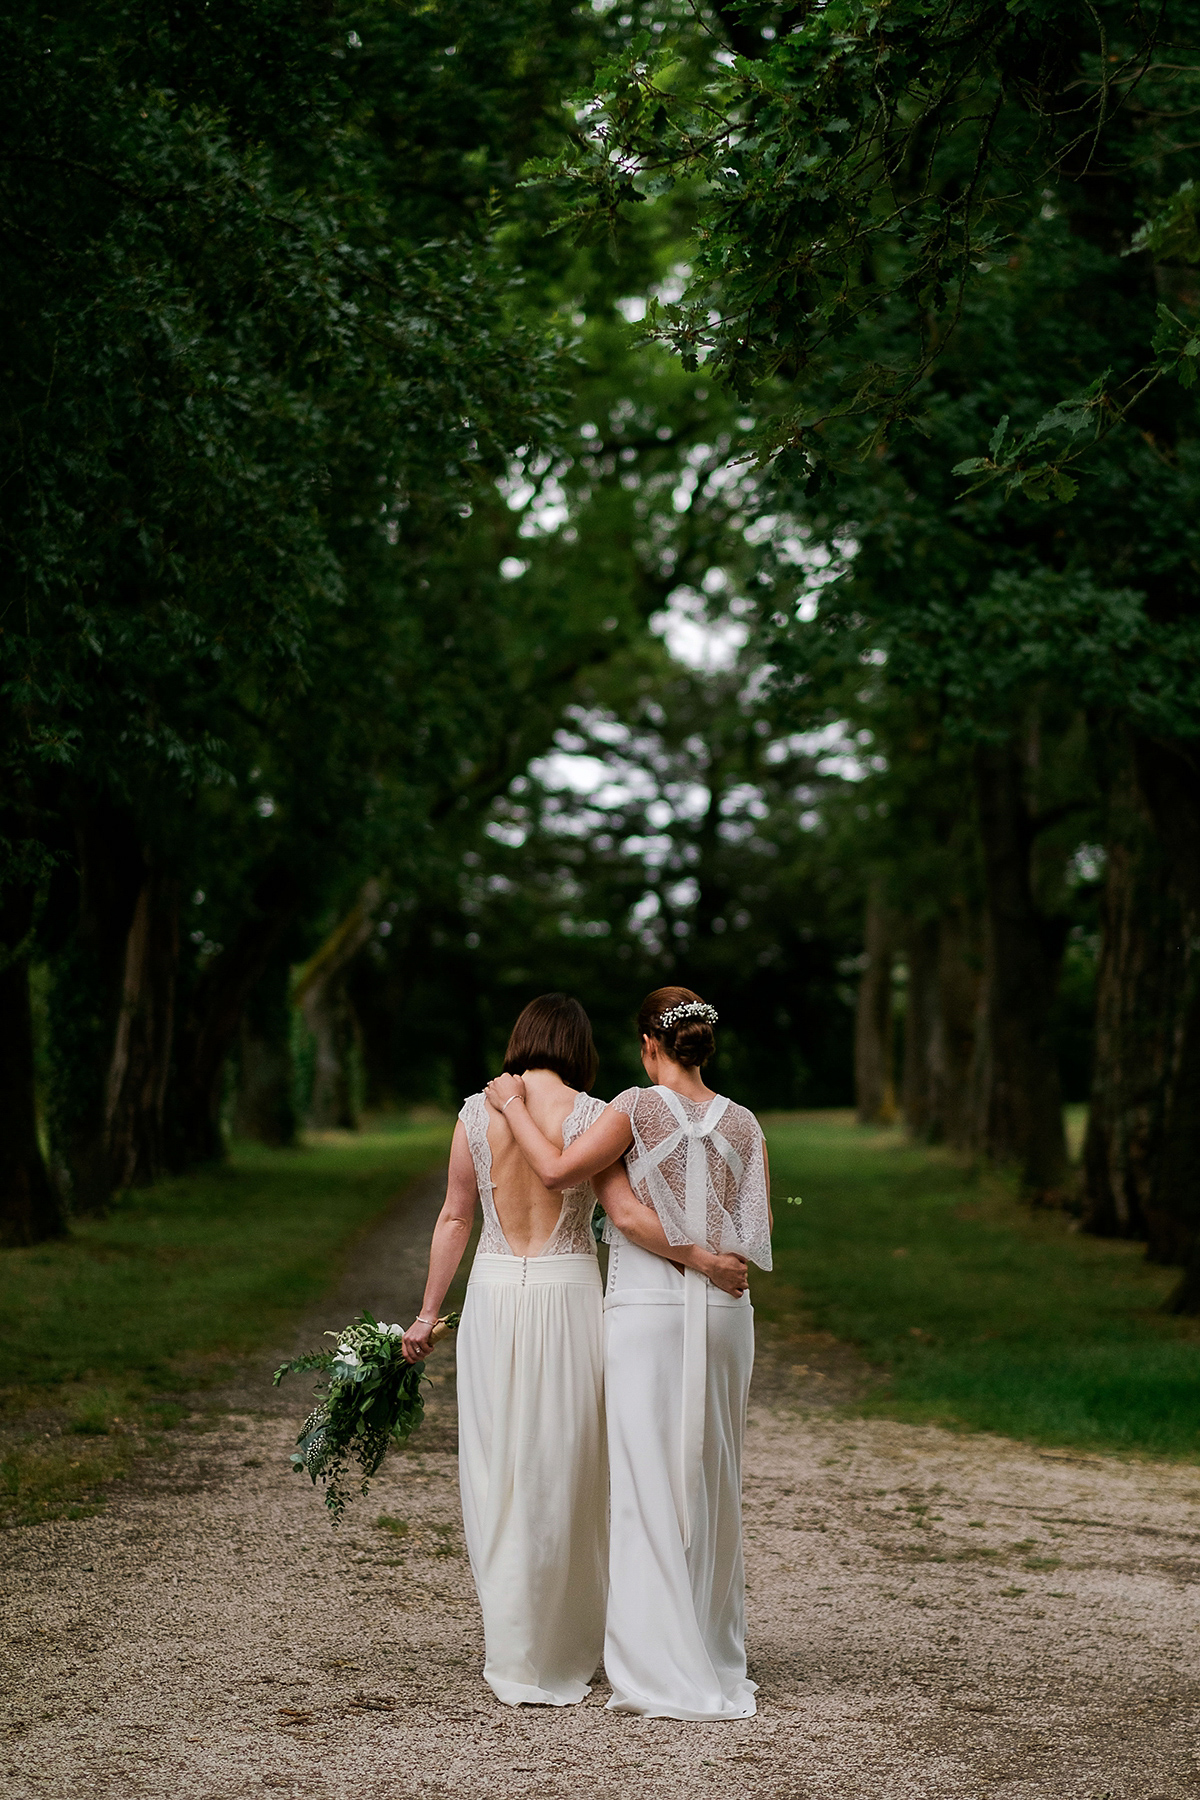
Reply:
x=877, y=155
x=234, y=350
x=984, y=1316
x=371, y=1400
x=903, y=237
x=1172, y=235
x=276, y=349
x=263, y=351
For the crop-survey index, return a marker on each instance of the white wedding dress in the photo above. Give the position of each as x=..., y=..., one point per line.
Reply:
x=531, y=1441
x=678, y=1356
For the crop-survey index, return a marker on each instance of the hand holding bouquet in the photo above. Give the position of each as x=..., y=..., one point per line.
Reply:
x=373, y=1399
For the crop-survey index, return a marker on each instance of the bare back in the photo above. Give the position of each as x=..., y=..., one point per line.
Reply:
x=521, y=1217
x=528, y=1211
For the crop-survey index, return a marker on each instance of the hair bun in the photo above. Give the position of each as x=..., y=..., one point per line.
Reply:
x=681, y=1022
x=691, y=1042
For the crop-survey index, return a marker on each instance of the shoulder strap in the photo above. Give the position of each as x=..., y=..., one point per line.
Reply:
x=585, y=1112
x=714, y=1115
x=673, y=1104
x=473, y=1114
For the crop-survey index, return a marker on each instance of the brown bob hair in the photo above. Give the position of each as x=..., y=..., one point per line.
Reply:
x=689, y=1043
x=554, y=1033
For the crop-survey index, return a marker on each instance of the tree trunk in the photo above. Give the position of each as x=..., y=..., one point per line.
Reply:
x=1173, y=1216
x=874, y=1083
x=1019, y=1116
x=378, y=993
x=141, y=1056
x=955, y=1028
x=29, y=1208
x=330, y=1017
x=265, y=1112
x=322, y=997
x=1142, y=1156
x=86, y=987
x=212, y=1019
x=1141, y=976
x=1169, y=781
x=920, y=1029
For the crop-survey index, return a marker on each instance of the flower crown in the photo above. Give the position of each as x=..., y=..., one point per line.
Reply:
x=690, y=1009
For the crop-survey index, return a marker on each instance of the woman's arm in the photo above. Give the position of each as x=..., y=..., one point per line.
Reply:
x=642, y=1226
x=767, y=1173
x=594, y=1149
x=451, y=1235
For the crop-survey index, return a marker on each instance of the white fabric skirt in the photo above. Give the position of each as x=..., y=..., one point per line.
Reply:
x=531, y=1462
x=674, y=1647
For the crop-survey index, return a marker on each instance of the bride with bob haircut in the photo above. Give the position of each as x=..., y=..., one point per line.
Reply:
x=532, y=1465
x=678, y=1356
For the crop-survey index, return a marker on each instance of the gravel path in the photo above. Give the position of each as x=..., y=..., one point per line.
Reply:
x=930, y=1615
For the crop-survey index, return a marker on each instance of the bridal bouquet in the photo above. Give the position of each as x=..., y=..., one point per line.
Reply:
x=372, y=1399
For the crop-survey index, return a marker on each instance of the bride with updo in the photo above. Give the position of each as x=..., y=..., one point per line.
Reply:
x=678, y=1353
x=530, y=1359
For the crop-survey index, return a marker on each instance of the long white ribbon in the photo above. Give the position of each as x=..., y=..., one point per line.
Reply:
x=695, y=1285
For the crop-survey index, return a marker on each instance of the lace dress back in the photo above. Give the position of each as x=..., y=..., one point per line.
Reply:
x=572, y=1235
x=735, y=1199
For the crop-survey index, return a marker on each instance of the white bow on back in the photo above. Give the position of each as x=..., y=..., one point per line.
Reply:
x=695, y=1286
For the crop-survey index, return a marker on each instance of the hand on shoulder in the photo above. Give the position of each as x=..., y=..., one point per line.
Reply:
x=503, y=1089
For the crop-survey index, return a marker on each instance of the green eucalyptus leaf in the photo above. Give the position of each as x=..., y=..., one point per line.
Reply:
x=377, y=1404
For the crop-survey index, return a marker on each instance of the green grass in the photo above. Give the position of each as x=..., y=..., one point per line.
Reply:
x=985, y=1314
x=103, y=1328
x=212, y=1263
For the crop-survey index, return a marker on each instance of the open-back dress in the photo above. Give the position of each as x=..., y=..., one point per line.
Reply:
x=531, y=1457
x=678, y=1356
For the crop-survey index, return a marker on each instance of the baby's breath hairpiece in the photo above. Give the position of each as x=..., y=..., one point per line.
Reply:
x=690, y=1009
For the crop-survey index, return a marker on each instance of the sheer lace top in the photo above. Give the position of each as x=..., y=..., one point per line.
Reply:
x=572, y=1235
x=735, y=1177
